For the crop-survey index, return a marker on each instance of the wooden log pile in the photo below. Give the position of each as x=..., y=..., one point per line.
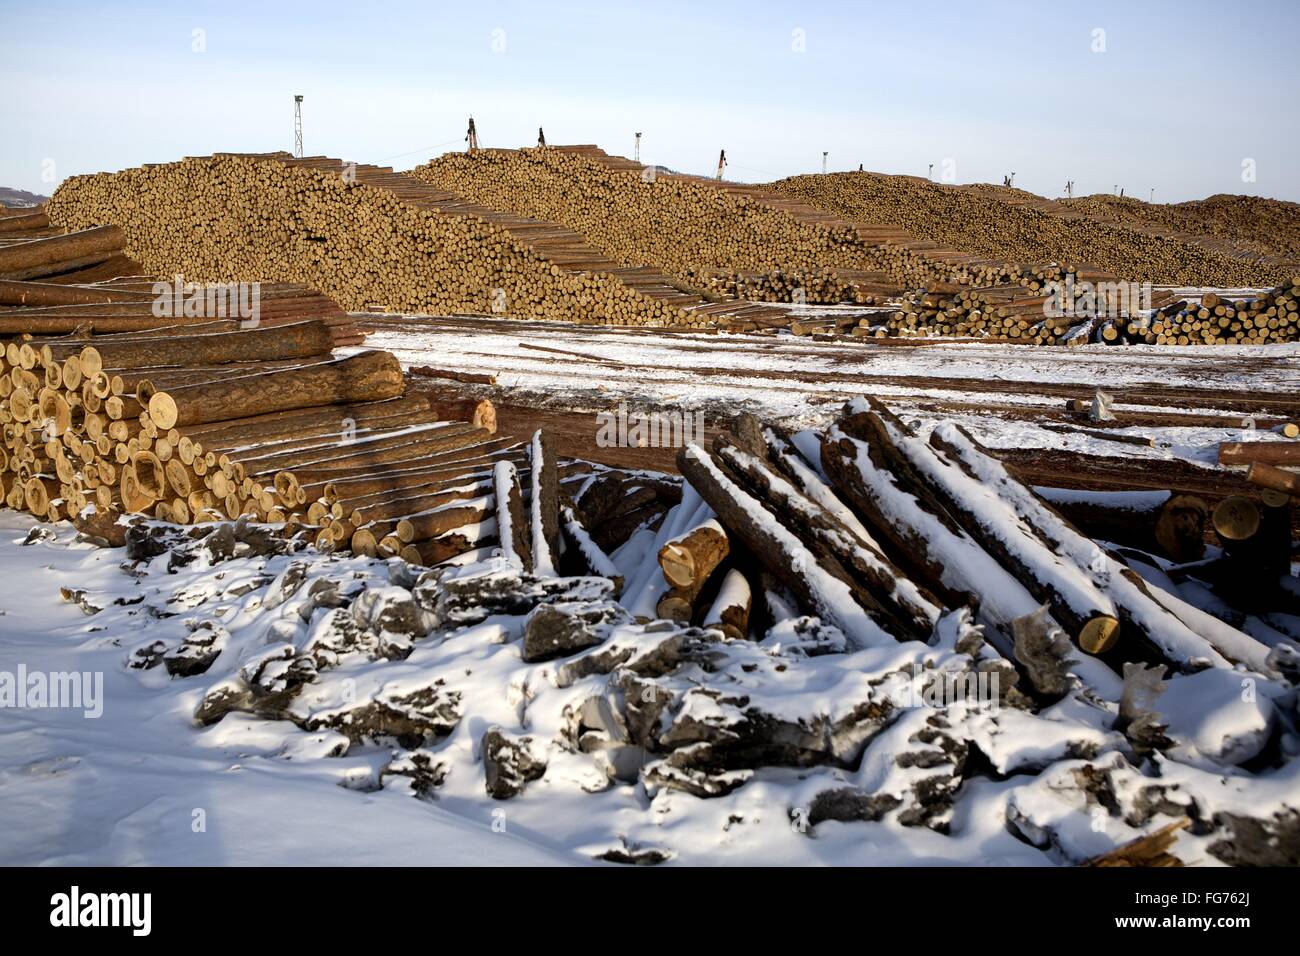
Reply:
x=682, y=225
x=886, y=535
x=998, y=229
x=817, y=287
x=194, y=424
x=368, y=237
x=1030, y=312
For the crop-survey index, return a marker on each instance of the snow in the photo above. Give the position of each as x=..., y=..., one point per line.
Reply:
x=146, y=784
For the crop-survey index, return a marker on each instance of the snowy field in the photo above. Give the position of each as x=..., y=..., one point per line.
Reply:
x=295, y=777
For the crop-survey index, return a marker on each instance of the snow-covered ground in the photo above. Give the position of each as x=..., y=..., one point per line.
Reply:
x=291, y=775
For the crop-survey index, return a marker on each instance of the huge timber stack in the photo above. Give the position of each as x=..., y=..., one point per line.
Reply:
x=683, y=225
x=366, y=236
x=1004, y=228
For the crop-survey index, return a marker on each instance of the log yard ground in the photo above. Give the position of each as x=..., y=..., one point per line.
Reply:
x=543, y=506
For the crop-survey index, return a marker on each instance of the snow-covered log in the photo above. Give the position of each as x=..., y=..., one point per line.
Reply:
x=510, y=517
x=544, y=506
x=1077, y=603
x=818, y=580
x=1147, y=623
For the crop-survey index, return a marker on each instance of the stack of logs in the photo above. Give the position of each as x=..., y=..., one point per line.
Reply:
x=682, y=225
x=368, y=237
x=984, y=223
x=817, y=287
x=1099, y=312
x=886, y=535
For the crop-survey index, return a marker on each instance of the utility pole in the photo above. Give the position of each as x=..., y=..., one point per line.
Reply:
x=722, y=163
x=1153, y=195
x=297, y=125
x=824, y=152
x=637, y=152
x=471, y=137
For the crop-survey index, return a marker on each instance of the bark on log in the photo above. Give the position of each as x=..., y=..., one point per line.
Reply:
x=302, y=340
x=1164, y=523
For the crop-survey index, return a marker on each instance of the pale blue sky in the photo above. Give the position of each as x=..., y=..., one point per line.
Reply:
x=1181, y=95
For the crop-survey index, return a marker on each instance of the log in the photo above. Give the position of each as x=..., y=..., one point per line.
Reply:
x=1266, y=476
x=1158, y=522
x=302, y=340
x=689, y=559
x=44, y=256
x=1087, y=615
x=432, y=524
x=729, y=612
x=511, y=524
x=579, y=542
x=365, y=377
x=13, y=292
x=1150, y=629
x=544, y=506
x=1266, y=452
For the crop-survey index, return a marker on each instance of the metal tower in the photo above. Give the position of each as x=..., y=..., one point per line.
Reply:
x=297, y=125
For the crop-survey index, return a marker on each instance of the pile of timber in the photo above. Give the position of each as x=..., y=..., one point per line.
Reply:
x=54, y=282
x=683, y=225
x=371, y=238
x=818, y=287
x=884, y=534
x=996, y=224
x=1099, y=310
x=31, y=247
x=1245, y=227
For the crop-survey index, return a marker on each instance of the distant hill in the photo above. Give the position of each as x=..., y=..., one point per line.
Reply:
x=19, y=199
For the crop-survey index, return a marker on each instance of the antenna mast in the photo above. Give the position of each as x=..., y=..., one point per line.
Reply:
x=297, y=125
